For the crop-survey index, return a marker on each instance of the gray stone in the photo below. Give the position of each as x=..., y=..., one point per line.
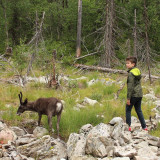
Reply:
x=116, y=120
x=121, y=158
x=83, y=158
x=126, y=135
x=18, y=131
x=28, y=138
x=85, y=129
x=76, y=145
x=100, y=146
x=89, y=101
x=30, y=150
x=146, y=152
x=126, y=151
x=40, y=132
x=101, y=129
x=2, y=126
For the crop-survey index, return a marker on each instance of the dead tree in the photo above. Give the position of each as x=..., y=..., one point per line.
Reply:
x=53, y=82
x=36, y=38
x=135, y=34
x=108, y=37
x=147, y=41
x=79, y=28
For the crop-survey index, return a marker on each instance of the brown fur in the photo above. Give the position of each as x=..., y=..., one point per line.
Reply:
x=43, y=106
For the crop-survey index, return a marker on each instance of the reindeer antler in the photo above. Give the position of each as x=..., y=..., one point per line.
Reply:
x=20, y=97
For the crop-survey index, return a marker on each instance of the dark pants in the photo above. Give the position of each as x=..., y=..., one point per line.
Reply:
x=136, y=102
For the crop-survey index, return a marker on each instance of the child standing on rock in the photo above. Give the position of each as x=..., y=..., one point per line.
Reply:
x=134, y=92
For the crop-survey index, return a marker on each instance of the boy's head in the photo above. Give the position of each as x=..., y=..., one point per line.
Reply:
x=131, y=62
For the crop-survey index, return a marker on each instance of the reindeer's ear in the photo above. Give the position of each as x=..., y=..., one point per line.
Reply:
x=25, y=101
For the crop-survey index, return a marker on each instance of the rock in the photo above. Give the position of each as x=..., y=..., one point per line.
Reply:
x=101, y=129
x=22, y=140
x=32, y=149
x=99, y=142
x=79, y=106
x=125, y=152
x=59, y=147
x=5, y=158
x=7, y=135
x=116, y=120
x=146, y=152
x=121, y=158
x=141, y=145
x=40, y=132
x=1, y=153
x=57, y=151
x=145, y=158
x=85, y=129
x=18, y=131
x=126, y=135
x=157, y=103
x=150, y=96
x=89, y=101
x=2, y=126
x=134, y=120
x=83, y=158
x=76, y=145
x=91, y=82
x=118, y=127
x=100, y=146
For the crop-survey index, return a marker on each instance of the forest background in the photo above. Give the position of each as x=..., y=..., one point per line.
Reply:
x=36, y=28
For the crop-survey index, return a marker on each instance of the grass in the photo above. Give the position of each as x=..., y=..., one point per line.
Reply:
x=74, y=93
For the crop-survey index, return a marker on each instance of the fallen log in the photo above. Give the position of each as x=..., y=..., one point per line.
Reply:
x=110, y=70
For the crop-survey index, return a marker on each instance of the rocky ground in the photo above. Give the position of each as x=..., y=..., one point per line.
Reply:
x=102, y=142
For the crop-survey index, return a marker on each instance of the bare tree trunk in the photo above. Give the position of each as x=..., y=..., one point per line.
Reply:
x=53, y=82
x=110, y=70
x=108, y=39
x=129, y=47
x=147, y=41
x=79, y=28
x=35, y=38
x=135, y=34
x=6, y=25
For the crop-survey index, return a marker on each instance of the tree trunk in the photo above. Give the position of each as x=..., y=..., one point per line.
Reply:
x=53, y=82
x=147, y=41
x=108, y=38
x=108, y=70
x=79, y=28
x=135, y=34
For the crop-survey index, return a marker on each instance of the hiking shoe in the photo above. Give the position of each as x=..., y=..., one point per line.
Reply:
x=129, y=129
x=146, y=129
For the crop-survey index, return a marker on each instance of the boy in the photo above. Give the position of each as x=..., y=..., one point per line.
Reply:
x=134, y=92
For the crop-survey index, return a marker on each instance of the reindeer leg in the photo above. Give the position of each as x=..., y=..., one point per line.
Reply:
x=39, y=120
x=50, y=122
x=58, y=121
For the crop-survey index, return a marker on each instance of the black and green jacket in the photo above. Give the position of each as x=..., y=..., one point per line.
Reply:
x=134, y=88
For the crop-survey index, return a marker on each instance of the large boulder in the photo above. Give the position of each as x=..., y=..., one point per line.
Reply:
x=76, y=145
x=6, y=135
x=99, y=142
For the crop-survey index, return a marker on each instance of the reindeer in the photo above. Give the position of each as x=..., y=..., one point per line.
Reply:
x=43, y=106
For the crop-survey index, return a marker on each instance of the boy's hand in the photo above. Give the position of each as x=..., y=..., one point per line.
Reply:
x=128, y=102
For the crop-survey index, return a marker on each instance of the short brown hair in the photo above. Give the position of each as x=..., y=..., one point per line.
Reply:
x=132, y=60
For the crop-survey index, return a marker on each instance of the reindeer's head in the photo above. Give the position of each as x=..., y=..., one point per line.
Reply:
x=23, y=105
